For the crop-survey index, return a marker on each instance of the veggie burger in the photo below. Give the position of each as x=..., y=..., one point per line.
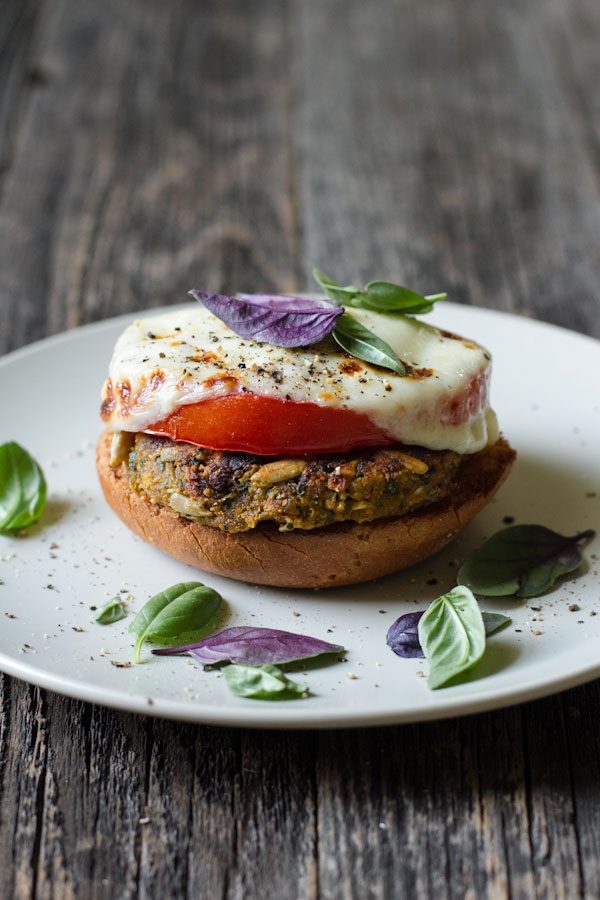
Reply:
x=299, y=442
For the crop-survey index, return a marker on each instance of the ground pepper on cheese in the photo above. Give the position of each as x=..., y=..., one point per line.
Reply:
x=187, y=355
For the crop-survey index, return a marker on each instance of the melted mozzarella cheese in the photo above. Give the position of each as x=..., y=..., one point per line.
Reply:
x=187, y=355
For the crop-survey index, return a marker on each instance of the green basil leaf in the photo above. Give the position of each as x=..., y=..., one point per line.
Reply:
x=452, y=635
x=385, y=297
x=22, y=488
x=493, y=622
x=335, y=291
x=524, y=561
x=262, y=683
x=114, y=611
x=358, y=341
x=176, y=614
x=380, y=296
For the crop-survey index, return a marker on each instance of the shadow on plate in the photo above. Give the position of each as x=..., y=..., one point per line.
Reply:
x=56, y=509
x=499, y=655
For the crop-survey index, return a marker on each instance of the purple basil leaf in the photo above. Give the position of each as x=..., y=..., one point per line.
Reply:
x=281, y=320
x=253, y=647
x=403, y=636
x=287, y=302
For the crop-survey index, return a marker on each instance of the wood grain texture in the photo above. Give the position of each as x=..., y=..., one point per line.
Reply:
x=148, y=146
x=17, y=31
x=154, y=157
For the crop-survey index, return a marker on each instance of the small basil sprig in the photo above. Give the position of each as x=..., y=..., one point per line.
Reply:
x=22, y=488
x=114, y=611
x=452, y=635
x=178, y=613
x=358, y=341
x=524, y=561
x=380, y=296
x=403, y=635
x=262, y=683
x=291, y=321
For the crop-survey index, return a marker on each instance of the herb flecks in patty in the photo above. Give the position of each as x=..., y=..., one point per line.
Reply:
x=236, y=491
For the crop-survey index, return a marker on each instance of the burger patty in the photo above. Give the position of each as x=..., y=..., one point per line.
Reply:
x=237, y=491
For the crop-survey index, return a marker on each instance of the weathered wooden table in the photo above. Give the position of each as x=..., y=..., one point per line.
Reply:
x=146, y=146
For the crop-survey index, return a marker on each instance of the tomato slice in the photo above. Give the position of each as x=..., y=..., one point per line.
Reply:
x=466, y=404
x=270, y=427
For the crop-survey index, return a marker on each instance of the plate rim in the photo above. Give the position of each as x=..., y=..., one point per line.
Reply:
x=290, y=719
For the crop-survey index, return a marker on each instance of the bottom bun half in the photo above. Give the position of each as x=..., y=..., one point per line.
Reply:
x=347, y=553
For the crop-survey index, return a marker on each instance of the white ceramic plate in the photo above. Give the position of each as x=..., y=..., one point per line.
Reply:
x=546, y=392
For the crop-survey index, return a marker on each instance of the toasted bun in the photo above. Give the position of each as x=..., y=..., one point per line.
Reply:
x=346, y=553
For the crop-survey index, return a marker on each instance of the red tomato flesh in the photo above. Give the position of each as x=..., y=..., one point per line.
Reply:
x=465, y=404
x=270, y=427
